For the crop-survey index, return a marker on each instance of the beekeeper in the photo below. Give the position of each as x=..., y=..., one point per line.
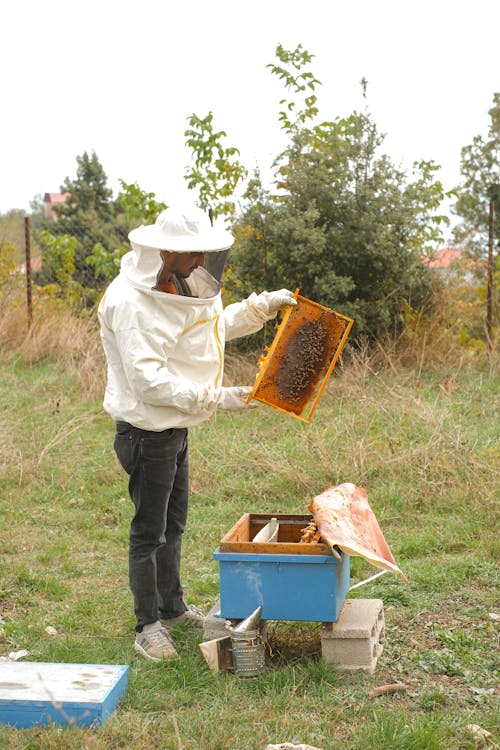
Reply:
x=163, y=329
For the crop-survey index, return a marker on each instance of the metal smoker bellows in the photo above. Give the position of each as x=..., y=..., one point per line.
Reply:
x=247, y=646
x=296, y=367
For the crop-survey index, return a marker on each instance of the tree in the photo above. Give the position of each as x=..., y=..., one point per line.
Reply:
x=59, y=261
x=478, y=204
x=12, y=231
x=344, y=224
x=9, y=280
x=95, y=226
x=136, y=206
x=133, y=207
x=89, y=217
x=88, y=192
x=216, y=172
x=480, y=170
x=302, y=82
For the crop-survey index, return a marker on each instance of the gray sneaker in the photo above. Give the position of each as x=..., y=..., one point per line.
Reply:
x=192, y=616
x=154, y=643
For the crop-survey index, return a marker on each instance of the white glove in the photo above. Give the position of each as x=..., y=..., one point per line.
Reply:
x=233, y=398
x=279, y=299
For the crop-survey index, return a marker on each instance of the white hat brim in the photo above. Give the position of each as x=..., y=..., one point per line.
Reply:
x=211, y=241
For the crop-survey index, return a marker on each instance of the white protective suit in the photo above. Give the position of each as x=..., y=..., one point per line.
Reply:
x=165, y=352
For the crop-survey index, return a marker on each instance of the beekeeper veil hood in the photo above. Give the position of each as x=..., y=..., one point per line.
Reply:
x=182, y=230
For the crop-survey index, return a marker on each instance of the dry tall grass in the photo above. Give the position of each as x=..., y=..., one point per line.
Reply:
x=428, y=342
x=57, y=333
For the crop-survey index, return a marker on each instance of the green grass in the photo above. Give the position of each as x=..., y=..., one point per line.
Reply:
x=427, y=454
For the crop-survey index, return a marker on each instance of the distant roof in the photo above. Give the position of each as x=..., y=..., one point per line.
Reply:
x=55, y=197
x=443, y=258
x=36, y=265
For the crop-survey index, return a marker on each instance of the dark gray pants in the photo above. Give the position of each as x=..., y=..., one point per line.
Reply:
x=157, y=465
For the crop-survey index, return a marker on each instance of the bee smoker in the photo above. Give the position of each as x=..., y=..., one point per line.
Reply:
x=247, y=646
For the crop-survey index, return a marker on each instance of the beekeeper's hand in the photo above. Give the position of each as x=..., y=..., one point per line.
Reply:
x=234, y=398
x=278, y=300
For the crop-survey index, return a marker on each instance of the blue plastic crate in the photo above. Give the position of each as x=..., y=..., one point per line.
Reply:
x=37, y=693
x=289, y=587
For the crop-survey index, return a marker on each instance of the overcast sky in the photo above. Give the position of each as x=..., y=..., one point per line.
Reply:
x=121, y=78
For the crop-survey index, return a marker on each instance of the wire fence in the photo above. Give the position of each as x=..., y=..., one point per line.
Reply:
x=22, y=258
x=21, y=235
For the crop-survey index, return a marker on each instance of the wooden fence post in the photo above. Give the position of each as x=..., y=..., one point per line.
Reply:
x=489, y=289
x=29, y=294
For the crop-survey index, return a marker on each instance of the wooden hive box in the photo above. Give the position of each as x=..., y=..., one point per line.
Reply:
x=239, y=537
x=292, y=581
x=37, y=693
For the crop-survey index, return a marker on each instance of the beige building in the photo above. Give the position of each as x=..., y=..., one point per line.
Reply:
x=51, y=199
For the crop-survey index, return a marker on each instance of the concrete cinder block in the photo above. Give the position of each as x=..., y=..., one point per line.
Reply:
x=354, y=641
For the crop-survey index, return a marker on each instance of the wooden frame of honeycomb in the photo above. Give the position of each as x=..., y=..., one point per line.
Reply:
x=295, y=369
